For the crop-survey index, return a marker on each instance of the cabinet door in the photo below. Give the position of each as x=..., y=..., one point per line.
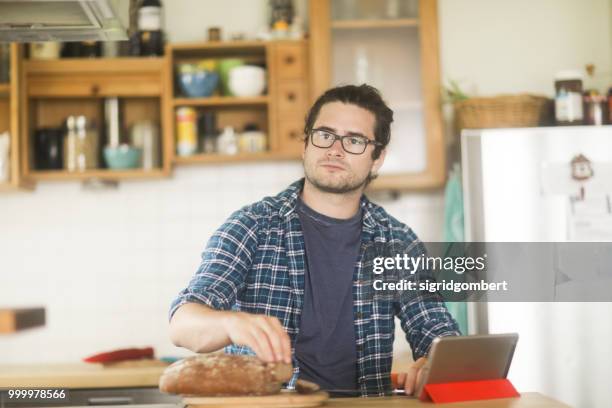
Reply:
x=94, y=85
x=94, y=78
x=393, y=46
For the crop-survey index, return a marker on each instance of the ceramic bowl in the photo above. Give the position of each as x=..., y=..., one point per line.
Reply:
x=225, y=65
x=197, y=81
x=247, y=80
x=122, y=157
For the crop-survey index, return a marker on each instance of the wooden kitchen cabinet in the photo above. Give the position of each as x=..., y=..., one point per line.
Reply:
x=279, y=113
x=56, y=89
x=392, y=45
x=9, y=121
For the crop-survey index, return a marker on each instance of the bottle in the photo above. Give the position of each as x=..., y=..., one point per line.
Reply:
x=150, y=35
x=227, y=143
x=207, y=127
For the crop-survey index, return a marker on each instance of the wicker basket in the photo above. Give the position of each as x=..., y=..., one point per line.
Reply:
x=500, y=111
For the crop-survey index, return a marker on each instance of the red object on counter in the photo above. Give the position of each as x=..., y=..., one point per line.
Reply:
x=468, y=391
x=121, y=355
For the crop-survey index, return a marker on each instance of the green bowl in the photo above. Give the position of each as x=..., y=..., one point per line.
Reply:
x=224, y=67
x=122, y=157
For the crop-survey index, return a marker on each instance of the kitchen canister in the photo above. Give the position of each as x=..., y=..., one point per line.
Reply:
x=186, y=131
x=145, y=135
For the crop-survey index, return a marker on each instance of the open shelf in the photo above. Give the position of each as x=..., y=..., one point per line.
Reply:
x=233, y=158
x=102, y=174
x=219, y=48
x=221, y=101
x=391, y=23
x=91, y=65
x=13, y=320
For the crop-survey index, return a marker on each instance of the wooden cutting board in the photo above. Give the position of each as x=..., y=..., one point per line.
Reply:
x=141, y=373
x=286, y=399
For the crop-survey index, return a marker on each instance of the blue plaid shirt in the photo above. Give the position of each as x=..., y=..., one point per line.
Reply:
x=255, y=263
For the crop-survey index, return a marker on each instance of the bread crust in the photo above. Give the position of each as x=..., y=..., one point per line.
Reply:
x=224, y=375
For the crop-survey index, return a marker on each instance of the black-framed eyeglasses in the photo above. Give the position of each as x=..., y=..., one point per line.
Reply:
x=353, y=144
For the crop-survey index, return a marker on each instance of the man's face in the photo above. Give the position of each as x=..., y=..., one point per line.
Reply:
x=332, y=169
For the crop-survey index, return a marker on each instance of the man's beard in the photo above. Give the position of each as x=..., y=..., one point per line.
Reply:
x=346, y=186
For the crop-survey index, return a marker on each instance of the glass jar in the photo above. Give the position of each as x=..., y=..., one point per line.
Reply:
x=568, y=98
x=594, y=108
x=81, y=148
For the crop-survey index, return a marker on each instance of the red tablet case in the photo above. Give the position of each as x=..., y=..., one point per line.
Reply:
x=468, y=391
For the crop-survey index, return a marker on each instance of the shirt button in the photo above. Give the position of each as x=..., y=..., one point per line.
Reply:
x=359, y=315
x=360, y=347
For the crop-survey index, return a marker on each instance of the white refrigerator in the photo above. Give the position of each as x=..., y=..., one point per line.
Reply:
x=549, y=184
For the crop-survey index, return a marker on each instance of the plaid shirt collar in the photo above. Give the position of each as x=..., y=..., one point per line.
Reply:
x=290, y=196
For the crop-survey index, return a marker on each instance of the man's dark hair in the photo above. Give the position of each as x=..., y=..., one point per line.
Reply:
x=364, y=96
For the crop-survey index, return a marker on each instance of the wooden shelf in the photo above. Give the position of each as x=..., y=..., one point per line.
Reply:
x=221, y=101
x=13, y=320
x=391, y=23
x=217, y=45
x=102, y=174
x=92, y=65
x=279, y=114
x=55, y=89
x=234, y=158
x=5, y=89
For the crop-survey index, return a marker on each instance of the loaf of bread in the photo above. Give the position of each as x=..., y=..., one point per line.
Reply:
x=224, y=375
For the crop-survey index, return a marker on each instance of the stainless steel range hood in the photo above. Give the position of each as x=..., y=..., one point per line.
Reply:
x=62, y=20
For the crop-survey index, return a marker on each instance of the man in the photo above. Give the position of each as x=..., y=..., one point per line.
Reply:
x=286, y=277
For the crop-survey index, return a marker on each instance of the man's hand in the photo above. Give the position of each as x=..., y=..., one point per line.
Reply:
x=409, y=381
x=263, y=334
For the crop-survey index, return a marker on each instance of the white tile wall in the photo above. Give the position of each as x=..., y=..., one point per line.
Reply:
x=106, y=264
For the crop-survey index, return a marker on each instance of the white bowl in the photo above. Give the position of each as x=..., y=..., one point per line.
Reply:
x=247, y=80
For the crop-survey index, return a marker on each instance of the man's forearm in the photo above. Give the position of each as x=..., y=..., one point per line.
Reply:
x=199, y=328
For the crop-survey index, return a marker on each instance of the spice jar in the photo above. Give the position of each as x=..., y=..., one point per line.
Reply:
x=568, y=98
x=252, y=140
x=81, y=149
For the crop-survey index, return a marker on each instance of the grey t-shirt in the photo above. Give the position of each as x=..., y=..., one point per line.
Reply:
x=325, y=347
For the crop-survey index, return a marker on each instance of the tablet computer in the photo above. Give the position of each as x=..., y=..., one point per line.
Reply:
x=468, y=358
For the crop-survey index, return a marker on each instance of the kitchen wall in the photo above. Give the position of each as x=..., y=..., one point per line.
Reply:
x=497, y=46
x=106, y=264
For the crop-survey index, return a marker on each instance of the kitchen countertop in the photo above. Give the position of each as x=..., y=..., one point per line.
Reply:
x=82, y=375
x=527, y=400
